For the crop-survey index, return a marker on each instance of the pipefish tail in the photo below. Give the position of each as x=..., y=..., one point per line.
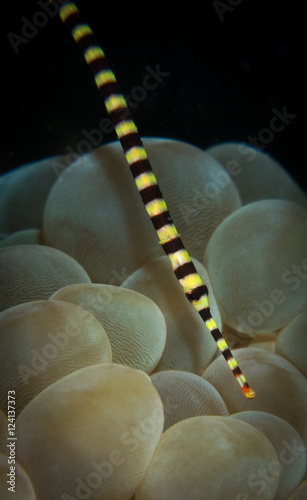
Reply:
x=195, y=290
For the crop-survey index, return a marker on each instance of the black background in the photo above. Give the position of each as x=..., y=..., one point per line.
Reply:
x=225, y=75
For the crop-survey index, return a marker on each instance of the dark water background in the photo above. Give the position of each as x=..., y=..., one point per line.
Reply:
x=228, y=72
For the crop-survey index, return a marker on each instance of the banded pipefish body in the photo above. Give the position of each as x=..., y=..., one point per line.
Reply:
x=195, y=290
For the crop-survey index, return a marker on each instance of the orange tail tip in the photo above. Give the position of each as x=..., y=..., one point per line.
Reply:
x=248, y=392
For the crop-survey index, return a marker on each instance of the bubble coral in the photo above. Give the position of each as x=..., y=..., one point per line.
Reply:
x=41, y=342
x=300, y=493
x=23, y=193
x=95, y=433
x=274, y=380
x=256, y=260
x=134, y=324
x=291, y=465
x=291, y=342
x=186, y=395
x=34, y=272
x=256, y=173
x=189, y=346
x=23, y=237
x=110, y=218
x=208, y=457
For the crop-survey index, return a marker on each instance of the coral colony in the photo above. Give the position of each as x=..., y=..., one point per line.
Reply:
x=111, y=386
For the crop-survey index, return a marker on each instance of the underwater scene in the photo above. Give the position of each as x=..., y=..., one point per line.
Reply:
x=153, y=252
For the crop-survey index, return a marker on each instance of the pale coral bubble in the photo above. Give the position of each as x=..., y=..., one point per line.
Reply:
x=186, y=395
x=34, y=272
x=272, y=378
x=23, y=193
x=209, y=457
x=300, y=493
x=134, y=324
x=289, y=447
x=291, y=342
x=189, y=344
x=95, y=432
x=23, y=237
x=256, y=259
x=256, y=173
x=41, y=342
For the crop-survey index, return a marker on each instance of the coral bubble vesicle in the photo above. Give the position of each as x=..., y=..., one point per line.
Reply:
x=95, y=430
